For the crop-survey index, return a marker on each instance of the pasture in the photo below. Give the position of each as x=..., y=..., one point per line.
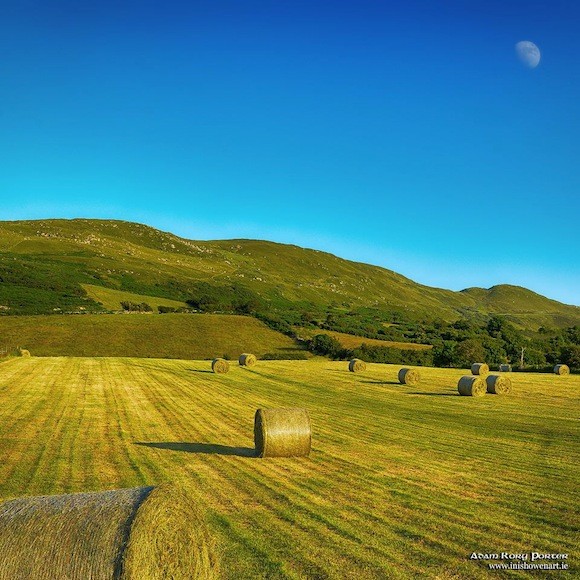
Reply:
x=197, y=336
x=111, y=299
x=402, y=482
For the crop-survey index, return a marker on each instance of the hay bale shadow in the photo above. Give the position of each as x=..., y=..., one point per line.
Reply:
x=434, y=394
x=200, y=371
x=381, y=382
x=205, y=448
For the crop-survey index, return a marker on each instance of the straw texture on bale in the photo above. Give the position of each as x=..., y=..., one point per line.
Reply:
x=470, y=386
x=247, y=360
x=409, y=377
x=498, y=384
x=127, y=534
x=356, y=365
x=170, y=538
x=220, y=365
x=284, y=432
x=561, y=370
x=479, y=369
x=505, y=368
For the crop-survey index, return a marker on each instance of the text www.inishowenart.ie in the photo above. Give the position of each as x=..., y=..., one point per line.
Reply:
x=523, y=561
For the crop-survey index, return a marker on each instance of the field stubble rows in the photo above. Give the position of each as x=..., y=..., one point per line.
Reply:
x=401, y=482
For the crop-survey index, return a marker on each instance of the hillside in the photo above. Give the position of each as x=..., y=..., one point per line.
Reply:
x=201, y=336
x=45, y=263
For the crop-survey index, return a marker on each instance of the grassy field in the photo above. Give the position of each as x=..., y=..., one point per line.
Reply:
x=111, y=299
x=143, y=335
x=402, y=482
x=353, y=341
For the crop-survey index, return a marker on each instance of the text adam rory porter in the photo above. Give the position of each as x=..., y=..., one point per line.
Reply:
x=544, y=560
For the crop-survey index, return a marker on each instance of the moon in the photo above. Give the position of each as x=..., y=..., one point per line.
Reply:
x=528, y=53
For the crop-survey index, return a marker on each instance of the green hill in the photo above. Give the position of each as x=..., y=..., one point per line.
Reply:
x=45, y=263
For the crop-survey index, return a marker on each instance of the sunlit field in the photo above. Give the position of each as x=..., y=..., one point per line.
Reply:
x=401, y=482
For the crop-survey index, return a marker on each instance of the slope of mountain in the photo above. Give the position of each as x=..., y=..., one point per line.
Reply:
x=43, y=264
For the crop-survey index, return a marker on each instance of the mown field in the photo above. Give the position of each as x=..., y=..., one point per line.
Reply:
x=196, y=336
x=402, y=482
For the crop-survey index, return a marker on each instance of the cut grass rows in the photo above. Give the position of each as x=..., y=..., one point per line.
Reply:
x=402, y=481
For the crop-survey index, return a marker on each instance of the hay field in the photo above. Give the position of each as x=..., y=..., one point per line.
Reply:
x=402, y=482
x=197, y=336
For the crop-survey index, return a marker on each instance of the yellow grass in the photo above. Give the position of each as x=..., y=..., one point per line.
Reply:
x=401, y=482
x=351, y=341
x=183, y=336
x=111, y=299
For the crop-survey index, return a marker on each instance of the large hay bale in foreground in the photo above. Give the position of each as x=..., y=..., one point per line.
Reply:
x=170, y=538
x=479, y=369
x=505, y=368
x=498, y=384
x=409, y=377
x=470, y=386
x=284, y=432
x=220, y=365
x=128, y=534
x=247, y=360
x=561, y=370
x=357, y=365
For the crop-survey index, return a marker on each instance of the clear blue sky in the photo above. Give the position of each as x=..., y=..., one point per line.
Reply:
x=404, y=134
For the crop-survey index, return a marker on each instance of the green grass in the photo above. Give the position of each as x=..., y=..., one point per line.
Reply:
x=111, y=299
x=402, y=482
x=143, y=335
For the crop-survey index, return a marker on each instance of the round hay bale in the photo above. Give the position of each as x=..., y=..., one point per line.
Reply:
x=121, y=534
x=470, y=386
x=23, y=352
x=498, y=384
x=220, y=365
x=356, y=365
x=409, y=377
x=479, y=369
x=505, y=368
x=170, y=538
x=284, y=432
x=561, y=370
x=247, y=360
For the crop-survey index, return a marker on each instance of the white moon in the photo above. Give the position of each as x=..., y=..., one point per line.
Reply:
x=528, y=53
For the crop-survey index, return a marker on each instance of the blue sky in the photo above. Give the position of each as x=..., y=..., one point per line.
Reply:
x=403, y=134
